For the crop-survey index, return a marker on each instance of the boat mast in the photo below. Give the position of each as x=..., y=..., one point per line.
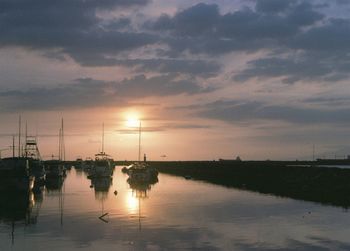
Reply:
x=19, y=136
x=140, y=141
x=25, y=142
x=103, y=137
x=63, y=145
x=59, y=145
x=62, y=154
x=13, y=146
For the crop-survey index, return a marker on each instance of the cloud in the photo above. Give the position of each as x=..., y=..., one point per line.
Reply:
x=163, y=85
x=333, y=36
x=194, y=21
x=201, y=68
x=88, y=92
x=308, y=66
x=69, y=27
x=239, y=111
x=201, y=28
x=302, y=42
x=329, y=101
x=273, y=6
x=342, y=2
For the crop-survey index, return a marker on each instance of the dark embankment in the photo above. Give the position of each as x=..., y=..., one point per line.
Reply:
x=309, y=183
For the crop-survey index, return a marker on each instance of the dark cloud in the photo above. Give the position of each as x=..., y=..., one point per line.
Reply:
x=301, y=42
x=186, y=66
x=70, y=27
x=164, y=85
x=237, y=112
x=343, y=2
x=87, y=92
x=307, y=65
x=329, y=101
x=292, y=69
x=202, y=29
x=333, y=36
x=272, y=6
x=194, y=21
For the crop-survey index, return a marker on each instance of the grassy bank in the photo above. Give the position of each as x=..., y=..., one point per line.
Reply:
x=310, y=183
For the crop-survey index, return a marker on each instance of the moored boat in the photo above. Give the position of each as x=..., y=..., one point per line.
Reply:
x=141, y=172
x=14, y=175
x=54, y=169
x=103, y=166
x=32, y=154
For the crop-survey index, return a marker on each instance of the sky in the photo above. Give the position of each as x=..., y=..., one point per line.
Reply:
x=259, y=79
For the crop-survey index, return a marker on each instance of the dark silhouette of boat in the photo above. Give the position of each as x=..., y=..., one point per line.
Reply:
x=141, y=171
x=78, y=164
x=15, y=176
x=32, y=154
x=102, y=166
x=88, y=164
x=54, y=169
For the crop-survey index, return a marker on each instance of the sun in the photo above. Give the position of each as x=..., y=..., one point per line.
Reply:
x=132, y=120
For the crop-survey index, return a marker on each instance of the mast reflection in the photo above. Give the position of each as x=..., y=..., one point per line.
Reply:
x=101, y=186
x=139, y=191
x=55, y=188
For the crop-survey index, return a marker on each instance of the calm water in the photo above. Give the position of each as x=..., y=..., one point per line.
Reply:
x=174, y=214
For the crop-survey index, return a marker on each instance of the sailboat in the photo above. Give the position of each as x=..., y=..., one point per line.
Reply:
x=103, y=163
x=141, y=171
x=55, y=167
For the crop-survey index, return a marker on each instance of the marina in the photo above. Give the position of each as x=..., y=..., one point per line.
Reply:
x=149, y=125
x=163, y=215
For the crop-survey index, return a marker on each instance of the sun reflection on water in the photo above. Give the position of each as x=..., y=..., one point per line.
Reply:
x=131, y=203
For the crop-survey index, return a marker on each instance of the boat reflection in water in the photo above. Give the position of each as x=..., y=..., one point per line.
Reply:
x=19, y=208
x=55, y=189
x=102, y=186
x=141, y=186
x=139, y=190
x=54, y=184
